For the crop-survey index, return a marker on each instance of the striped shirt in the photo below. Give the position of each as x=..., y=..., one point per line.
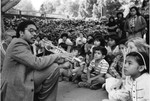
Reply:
x=139, y=88
x=102, y=66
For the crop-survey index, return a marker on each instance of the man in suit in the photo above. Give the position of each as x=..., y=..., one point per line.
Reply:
x=24, y=74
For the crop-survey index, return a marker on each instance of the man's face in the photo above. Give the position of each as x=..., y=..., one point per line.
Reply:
x=30, y=33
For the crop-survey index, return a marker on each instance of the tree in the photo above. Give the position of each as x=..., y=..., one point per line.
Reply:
x=26, y=7
x=47, y=7
x=73, y=9
x=112, y=6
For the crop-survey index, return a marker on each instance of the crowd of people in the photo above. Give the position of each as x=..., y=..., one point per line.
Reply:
x=88, y=53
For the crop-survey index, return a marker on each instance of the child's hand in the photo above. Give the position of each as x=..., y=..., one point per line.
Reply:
x=89, y=81
x=125, y=51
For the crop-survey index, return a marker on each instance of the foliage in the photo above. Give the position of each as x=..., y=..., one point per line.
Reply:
x=112, y=6
x=47, y=7
x=73, y=9
x=26, y=7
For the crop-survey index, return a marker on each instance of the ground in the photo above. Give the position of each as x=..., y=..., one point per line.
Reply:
x=67, y=91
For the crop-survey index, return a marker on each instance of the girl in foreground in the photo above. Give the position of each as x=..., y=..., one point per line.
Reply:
x=136, y=85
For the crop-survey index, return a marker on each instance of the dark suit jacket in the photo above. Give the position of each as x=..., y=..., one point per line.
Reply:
x=17, y=74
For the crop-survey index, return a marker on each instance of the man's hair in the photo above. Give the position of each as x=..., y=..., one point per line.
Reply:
x=100, y=48
x=23, y=25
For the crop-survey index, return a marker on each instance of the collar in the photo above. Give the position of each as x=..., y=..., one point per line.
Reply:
x=139, y=78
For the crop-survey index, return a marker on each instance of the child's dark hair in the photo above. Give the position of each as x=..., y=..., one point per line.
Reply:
x=142, y=59
x=64, y=34
x=117, y=15
x=90, y=41
x=23, y=25
x=100, y=48
x=102, y=41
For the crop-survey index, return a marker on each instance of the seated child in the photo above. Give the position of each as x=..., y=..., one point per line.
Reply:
x=74, y=65
x=136, y=85
x=115, y=69
x=98, y=41
x=94, y=77
x=137, y=71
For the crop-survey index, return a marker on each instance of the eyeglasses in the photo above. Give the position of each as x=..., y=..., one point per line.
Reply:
x=32, y=31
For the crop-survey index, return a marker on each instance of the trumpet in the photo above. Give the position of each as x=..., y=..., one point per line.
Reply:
x=55, y=49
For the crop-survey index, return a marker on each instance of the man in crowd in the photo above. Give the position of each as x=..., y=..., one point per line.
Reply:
x=24, y=74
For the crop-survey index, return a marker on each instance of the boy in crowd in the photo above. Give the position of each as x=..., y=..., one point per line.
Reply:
x=94, y=76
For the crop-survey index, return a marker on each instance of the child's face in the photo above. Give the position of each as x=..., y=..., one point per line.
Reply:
x=111, y=42
x=98, y=55
x=120, y=16
x=131, y=67
x=122, y=47
x=96, y=43
x=111, y=19
x=45, y=38
x=64, y=38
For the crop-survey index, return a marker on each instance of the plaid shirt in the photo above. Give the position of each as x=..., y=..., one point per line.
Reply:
x=116, y=67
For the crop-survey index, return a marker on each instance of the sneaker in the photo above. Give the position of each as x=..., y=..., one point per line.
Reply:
x=84, y=84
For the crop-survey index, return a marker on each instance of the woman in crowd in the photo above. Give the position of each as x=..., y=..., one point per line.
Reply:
x=64, y=42
x=135, y=23
x=112, y=25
